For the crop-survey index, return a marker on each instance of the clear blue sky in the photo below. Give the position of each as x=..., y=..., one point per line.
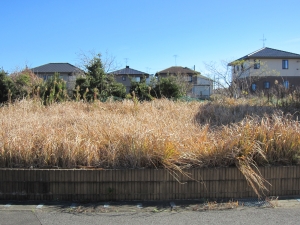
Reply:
x=147, y=32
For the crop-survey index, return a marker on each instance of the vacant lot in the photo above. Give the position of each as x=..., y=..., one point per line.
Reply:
x=160, y=133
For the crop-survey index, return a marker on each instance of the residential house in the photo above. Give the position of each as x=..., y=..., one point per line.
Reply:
x=127, y=74
x=260, y=69
x=201, y=86
x=66, y=71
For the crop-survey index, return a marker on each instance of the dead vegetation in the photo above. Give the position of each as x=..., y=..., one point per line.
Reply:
x=156, y=134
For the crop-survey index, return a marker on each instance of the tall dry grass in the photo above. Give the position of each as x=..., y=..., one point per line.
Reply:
x=159, y=134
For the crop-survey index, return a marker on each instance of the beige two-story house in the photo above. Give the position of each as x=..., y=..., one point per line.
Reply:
x=260, y=70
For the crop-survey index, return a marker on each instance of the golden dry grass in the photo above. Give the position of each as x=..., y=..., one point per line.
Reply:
x=161, y=133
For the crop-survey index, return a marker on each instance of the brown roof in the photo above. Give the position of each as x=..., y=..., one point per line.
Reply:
x=173, y=70
x=176, y=70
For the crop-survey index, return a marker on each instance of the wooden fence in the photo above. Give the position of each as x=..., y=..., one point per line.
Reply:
x=140, y=184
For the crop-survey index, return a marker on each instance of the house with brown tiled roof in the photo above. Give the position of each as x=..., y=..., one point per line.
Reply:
x=201, y=86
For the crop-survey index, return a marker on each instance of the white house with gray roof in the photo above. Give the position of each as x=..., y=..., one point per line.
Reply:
x=66, y=71
x=262, y=67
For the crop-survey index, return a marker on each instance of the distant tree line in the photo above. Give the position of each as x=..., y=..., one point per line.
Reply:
x=97, y=84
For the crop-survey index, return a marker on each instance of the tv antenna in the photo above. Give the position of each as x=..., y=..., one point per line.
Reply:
x=126, y=60
x=148, y=69
x=175, y=56
x=263, y=40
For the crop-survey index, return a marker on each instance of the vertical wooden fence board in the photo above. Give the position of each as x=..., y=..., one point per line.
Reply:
x=128, y=185
x=143, y=184
x=136, y=187
x=295, y=181
x=159, y=186
x=192, y=185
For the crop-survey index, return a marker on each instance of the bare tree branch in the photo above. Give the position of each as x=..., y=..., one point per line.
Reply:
x=109, y=61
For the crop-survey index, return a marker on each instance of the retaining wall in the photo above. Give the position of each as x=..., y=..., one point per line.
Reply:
x=140, y=184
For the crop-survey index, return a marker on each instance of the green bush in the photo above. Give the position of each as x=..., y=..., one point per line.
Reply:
x=141, y=90
x=97, y=84
x=7, y=87
x=54, y=90
x=168, y=87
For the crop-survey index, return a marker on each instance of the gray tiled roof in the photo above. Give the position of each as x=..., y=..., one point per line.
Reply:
x=128, y=71
x=271, y=53
x=56, y=67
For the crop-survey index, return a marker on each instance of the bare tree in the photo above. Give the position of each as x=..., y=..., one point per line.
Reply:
x=109, y=61
x=185, y=82
x=235, y=78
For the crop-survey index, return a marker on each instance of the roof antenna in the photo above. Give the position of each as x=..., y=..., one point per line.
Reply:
x=175, y=56
x=148, y=69
x=126, y=60
x=263, y=40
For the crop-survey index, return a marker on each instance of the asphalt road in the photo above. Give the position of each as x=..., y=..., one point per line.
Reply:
x=284, y=212
x=245, y=216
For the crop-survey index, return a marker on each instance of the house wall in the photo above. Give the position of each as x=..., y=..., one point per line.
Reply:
x=239, y=73
x=201, y=91
x=269, y=71
x=127, y=81
x=274, y=67
x=69, y=79
x=293, y=82
x=268, y=67
x=202, y=88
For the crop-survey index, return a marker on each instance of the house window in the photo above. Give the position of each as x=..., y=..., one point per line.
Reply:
x=137, y=79
x=45, y=77
x=286, y=84
x=123, y=78
x=253, y=87
x=256, y=64
x=266, y=85
x=285, y=64
x=189, y=78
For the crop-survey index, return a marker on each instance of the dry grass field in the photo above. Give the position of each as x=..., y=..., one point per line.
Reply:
x=157, y=134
